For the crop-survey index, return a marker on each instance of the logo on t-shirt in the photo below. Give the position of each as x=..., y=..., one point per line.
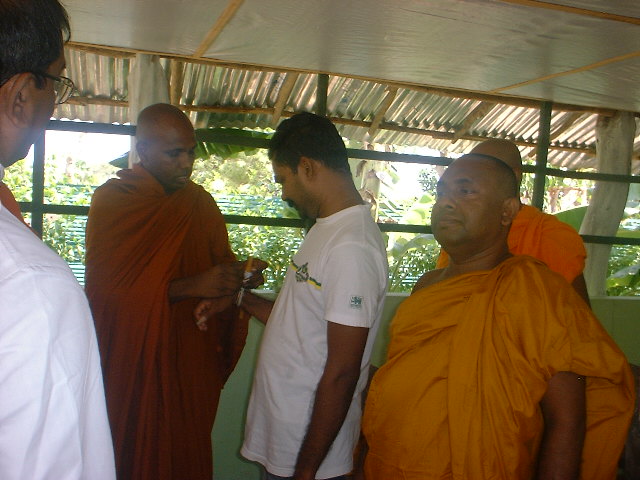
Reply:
x=302, y=273
x=356, y=302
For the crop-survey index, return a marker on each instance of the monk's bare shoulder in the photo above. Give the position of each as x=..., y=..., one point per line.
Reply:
x=428, y=279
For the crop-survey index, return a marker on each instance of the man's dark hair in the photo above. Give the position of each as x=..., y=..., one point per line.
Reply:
x=32, y=35
x=312, y=136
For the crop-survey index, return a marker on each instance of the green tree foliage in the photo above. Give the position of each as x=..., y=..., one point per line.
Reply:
x=240, y=179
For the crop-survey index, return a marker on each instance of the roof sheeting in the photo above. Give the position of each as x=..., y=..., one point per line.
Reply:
x=418, y=72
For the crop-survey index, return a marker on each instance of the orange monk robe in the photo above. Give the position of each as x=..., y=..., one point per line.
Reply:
x=468, y=363
x=9, y=202
x=163, y=376
x=546, y=238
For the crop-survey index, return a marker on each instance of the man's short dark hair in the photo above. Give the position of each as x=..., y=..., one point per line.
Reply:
x=32, y=35
x=312, y=136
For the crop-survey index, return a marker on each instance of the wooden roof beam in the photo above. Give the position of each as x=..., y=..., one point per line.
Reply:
x=564, y=126
x=476, y=114
x=575, y=10
x=283, y=95
x=336, y=120
x=445, y=92
x=388, y=99
x=176, y=81
x=223, y=20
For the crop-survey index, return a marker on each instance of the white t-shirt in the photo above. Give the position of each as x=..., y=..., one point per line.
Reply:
x=53, y=418
x=339, y=275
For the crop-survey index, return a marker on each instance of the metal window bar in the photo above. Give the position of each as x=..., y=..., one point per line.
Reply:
x=38, y=208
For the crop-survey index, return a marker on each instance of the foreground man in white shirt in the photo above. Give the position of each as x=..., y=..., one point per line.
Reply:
x=53, y=421
x=304, y=414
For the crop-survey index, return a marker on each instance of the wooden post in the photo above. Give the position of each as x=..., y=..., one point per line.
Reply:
x=614, y=148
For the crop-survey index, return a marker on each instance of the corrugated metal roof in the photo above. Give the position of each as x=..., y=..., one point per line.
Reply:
x=245, y=98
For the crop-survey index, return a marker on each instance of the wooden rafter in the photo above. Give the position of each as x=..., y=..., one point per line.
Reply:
x=445, y=92
x=573, y=71
x=476, y=114
x=337, y=120
x=222, y=22
x=176, y=81
x=566, y=124
x=388, y=99
x=283, y=95
x=575, y=10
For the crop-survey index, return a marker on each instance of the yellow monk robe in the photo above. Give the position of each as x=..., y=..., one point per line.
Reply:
x=162, y=375
x=546, y=238
x=468, y=364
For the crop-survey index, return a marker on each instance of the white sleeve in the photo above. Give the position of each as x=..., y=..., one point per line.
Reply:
x=53, y=422
x=354, y=284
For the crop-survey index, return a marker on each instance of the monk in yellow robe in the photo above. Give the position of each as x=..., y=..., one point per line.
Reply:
x=157, y=244
x=496, y=368
x=536, y=233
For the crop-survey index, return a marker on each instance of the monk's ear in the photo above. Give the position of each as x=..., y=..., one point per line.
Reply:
x=141, y=148
x=510, y=208
x=17, y=99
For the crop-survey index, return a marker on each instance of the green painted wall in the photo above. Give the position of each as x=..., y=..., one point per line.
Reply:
x=619, y=315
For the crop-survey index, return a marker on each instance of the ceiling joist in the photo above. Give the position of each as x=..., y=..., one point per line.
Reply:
x=479, y=112
x=575, y=10
x=337, y=120
x=584, y=68
x=445, y=92
x=388, y=99
x=222, y=22
x=283, y=95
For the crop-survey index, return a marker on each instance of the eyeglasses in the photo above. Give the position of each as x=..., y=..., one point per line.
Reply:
x=62, y=86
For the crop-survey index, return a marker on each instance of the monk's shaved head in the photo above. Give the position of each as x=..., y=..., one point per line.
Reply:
x=477, y=199
x=166, y=143
x=503, y=150
x=155, y=118
x=504, y=178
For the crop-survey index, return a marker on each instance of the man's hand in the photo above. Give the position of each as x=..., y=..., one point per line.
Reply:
x=253, y=273
x=207, y=307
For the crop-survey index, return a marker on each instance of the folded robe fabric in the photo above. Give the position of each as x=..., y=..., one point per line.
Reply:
x=546, y=238
x=468, y=364
x=162, y=375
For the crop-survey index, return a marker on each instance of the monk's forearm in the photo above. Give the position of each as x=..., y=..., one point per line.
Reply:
x=563, y=409
x=219, y=281
x=256, y=306
x=180, y=289
x=560, y=454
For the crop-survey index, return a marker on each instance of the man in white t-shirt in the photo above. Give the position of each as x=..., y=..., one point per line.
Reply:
x=304, y=413
x=53, y=419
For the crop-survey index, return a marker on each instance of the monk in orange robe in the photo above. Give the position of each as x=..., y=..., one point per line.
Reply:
x=496, y=369
x=535, y=233
x=157, y=244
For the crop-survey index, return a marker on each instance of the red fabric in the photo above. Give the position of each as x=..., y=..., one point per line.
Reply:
x=9, y=202
x=163, y=376
x=546, y=238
